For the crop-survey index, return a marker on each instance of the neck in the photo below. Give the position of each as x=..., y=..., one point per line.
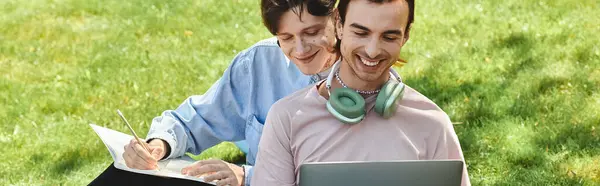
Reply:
x=352, y=80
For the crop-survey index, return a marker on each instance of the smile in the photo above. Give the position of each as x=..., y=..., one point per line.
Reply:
x=367, y=62
x=307, y=57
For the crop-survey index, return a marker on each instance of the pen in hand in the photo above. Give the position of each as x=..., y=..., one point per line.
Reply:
x=133, y=132
x=147, y=156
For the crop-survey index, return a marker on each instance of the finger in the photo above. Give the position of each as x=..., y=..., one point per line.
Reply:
x=143, y=145
x=125, y=147
x=227, y=181
x=187, y=169
x=133, y=161
x=126, y=158
x=132, y=142
x=157, y=153
x=130, y=150
x=198, y=164
x=143, y=154
x=129, y=157
x=142, y=165
x=217, y=176
x=212, y=161
x=137, y=162
x=127, y=150
x=203, y=169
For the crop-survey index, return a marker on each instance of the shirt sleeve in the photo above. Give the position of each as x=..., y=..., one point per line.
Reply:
x=203, y=121
x=275, y=163
x=248, y=170
x=448, y=147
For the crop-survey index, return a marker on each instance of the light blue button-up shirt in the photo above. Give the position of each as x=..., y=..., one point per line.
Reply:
x=235, y=107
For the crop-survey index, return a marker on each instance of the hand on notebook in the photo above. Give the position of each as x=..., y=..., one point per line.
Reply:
x=215, y=169
x=137, y=157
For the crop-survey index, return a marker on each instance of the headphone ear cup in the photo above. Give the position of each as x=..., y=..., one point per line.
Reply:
x=385, y=104
x=346, y=105
x=382, y=97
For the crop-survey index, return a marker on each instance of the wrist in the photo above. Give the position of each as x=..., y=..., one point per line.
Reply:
x=164, y=145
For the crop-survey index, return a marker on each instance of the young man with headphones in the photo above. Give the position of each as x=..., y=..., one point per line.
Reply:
x=361, y=112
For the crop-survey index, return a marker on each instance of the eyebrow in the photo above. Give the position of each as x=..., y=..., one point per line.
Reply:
x=396, y=32
x=314, y=26
x=355, y=25
x=307, y=28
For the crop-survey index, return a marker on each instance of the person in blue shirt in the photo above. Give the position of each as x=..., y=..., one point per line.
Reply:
x=235, y=107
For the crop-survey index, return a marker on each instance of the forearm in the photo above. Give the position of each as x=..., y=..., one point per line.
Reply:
x=203, y=121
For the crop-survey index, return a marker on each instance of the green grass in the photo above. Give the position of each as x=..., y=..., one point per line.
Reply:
x=520, y=77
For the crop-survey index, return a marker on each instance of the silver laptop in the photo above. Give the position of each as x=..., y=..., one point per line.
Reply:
x=412, y=172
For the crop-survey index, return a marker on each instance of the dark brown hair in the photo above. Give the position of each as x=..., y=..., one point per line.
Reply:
x=343, y=8
x=272, y=10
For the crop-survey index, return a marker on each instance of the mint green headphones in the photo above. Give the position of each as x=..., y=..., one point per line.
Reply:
x=348, y=105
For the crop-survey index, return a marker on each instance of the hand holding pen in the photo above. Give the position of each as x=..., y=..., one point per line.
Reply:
x=141, y=155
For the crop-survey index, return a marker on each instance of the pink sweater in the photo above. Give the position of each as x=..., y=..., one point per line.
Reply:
x=299, y=129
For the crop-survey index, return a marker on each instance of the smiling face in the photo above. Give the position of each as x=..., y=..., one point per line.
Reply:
x=308, y=41
x=372, y=36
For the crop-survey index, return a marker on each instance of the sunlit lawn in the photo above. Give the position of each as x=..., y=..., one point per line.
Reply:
x=519, y=77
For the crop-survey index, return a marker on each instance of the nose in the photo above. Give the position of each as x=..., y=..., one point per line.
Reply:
x=372, y=48
x=301, y=47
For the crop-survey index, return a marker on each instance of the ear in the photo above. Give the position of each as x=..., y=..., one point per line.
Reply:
x=406, y=34
x=338, y=25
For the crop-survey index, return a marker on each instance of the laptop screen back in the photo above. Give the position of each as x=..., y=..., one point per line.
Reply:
x=414, y=172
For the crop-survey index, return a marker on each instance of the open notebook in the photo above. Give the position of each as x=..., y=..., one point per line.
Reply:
x=115, y=141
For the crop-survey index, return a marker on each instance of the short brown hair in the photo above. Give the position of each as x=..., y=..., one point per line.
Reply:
x=272, y=10
x=343, y=8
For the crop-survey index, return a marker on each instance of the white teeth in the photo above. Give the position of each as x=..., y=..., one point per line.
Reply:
x=369, y=63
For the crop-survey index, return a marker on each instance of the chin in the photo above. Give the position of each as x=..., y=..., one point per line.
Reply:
x=368, y=76
x=311, y=68
x=308, y=70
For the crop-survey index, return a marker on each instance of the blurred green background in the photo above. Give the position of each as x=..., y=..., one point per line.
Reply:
x=519, y=78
